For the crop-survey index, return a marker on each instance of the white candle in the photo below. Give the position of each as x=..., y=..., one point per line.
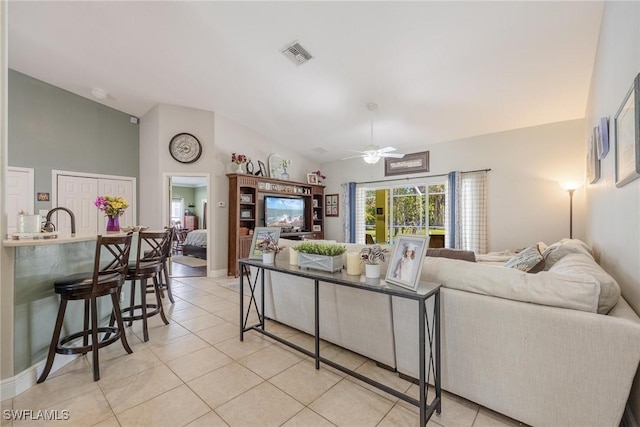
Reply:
x=293, y=256
x=353, y=263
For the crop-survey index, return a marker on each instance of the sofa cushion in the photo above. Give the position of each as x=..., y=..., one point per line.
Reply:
x=555, y=252
x=578, y=263
x=579, y=291
x=452, y=254
x=530, y=260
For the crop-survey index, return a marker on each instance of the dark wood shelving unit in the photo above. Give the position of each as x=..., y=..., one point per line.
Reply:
x=246, y=193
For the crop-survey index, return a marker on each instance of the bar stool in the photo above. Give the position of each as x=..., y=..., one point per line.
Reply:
x=165, y=280
x=89, y=287
x=148, y=265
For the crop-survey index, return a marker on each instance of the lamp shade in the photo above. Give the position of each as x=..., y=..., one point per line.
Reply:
x=570, y=185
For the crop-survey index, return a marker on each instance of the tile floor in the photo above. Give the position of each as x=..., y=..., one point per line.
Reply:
x=196, y=372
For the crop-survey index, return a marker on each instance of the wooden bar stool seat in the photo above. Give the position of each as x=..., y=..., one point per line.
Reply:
x=148, y=265
x=103, y=281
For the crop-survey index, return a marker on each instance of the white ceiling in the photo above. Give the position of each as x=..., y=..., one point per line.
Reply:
x=439, y=70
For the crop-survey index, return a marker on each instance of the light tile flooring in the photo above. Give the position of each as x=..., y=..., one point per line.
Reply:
x=196, y=372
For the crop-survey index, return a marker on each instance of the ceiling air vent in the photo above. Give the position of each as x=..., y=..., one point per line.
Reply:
x=296, y=53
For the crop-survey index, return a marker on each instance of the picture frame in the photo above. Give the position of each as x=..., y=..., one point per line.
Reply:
x=260, y=234
x=246, y=214
x=627, y=135
x=332, y=203
x=603, y=138
x=246, y=198
x=410, y=163
x=593, y=163
x=317, y=227
x=262, y=169
x=312, y=178
x=404, y=268
x=275, y=165
x=315, y=203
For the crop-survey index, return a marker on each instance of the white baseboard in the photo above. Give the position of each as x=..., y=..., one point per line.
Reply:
x=627, y=417
x=217, y=273
x=13, y=386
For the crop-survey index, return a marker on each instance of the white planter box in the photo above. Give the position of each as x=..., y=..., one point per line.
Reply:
x=320, y=262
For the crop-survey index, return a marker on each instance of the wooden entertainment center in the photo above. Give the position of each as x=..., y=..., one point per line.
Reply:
x=246, y=194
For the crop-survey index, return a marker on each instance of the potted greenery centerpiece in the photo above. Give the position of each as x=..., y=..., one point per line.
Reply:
x=269, y=251
x=321, y=256
x=371, y=255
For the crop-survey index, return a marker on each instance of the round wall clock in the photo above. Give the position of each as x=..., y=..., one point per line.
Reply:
x=185, y=148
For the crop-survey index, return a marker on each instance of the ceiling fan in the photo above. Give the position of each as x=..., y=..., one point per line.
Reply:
x=372, y=153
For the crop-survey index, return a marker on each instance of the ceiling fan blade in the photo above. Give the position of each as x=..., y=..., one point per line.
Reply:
x=386, y=149
x=352, y=157
x=356, y=151
x=397, y=156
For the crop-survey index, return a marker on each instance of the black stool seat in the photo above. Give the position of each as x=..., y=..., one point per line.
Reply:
x=105, y=280
x=77, y=286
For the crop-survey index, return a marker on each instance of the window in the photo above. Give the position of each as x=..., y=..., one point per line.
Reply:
x=177, y=207
x=386, y=211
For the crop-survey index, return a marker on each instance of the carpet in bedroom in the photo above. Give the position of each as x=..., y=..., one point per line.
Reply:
x=189, y=260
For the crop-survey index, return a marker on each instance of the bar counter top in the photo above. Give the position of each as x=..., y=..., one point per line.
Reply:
x=61, y=239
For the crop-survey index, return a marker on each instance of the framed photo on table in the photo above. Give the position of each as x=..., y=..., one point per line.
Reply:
x=312, y=178
x=406, y=260
x=331, y=204
x=262, y=235
x=627, y=132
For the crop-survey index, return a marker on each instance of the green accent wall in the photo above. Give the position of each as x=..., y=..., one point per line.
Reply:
x=50, y=128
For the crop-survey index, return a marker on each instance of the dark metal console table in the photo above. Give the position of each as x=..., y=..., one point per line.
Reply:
x=427, y=329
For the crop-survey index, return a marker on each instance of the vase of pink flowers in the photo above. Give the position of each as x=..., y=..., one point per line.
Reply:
x=320, y=176
x=239, y=160
x=113, y=208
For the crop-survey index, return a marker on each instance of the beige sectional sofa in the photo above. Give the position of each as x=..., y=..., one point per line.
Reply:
x=535, y=347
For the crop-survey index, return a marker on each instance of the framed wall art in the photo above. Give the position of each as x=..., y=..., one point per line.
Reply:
x=405, y=265
x=593, y=163
x=262, y=235
x=410, y=163
x=603, y=138
x=627, y=134
x=331, y=205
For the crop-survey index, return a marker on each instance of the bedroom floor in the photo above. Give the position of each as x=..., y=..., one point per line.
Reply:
x=181, y=270
x=196, y=372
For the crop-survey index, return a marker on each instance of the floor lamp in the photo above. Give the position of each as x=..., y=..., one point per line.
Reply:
x=571, y=187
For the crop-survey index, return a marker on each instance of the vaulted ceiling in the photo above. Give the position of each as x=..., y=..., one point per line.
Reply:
x=438, y=70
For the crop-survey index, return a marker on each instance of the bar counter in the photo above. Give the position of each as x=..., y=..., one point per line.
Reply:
x=30, y=267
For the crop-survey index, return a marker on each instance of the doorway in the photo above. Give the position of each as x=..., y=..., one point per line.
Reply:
x=187, y=209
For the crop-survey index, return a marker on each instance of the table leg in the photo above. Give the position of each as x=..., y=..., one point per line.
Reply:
x=421, y=359
x=317, y=313
x=438, y=372
x=242, y=270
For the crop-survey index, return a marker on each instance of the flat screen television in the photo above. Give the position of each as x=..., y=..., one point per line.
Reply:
x=284, y=212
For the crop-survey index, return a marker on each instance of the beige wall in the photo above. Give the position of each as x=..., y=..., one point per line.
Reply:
x=613, y=214
x=525, y=201
x=219, y=138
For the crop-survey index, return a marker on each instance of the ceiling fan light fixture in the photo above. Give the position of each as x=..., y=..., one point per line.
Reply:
x=371, y=158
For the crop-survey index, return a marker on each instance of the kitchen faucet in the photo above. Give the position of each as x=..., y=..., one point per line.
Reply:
x=73, y=218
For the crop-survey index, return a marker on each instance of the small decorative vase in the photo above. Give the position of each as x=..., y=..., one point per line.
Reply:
x=372, y=271
x=284, y=175
x=268, y=257
x=239, y=168
x=114, y=223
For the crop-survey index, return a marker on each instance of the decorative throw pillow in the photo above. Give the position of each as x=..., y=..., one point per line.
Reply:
x=529, y=260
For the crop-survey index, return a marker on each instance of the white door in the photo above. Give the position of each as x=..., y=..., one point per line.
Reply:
x=117, y=188
x=78, y=194
x=20, y=195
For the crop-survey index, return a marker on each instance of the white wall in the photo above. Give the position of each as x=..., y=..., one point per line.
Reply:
x=219, y=137
x=526, y=203
x=613, y=214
